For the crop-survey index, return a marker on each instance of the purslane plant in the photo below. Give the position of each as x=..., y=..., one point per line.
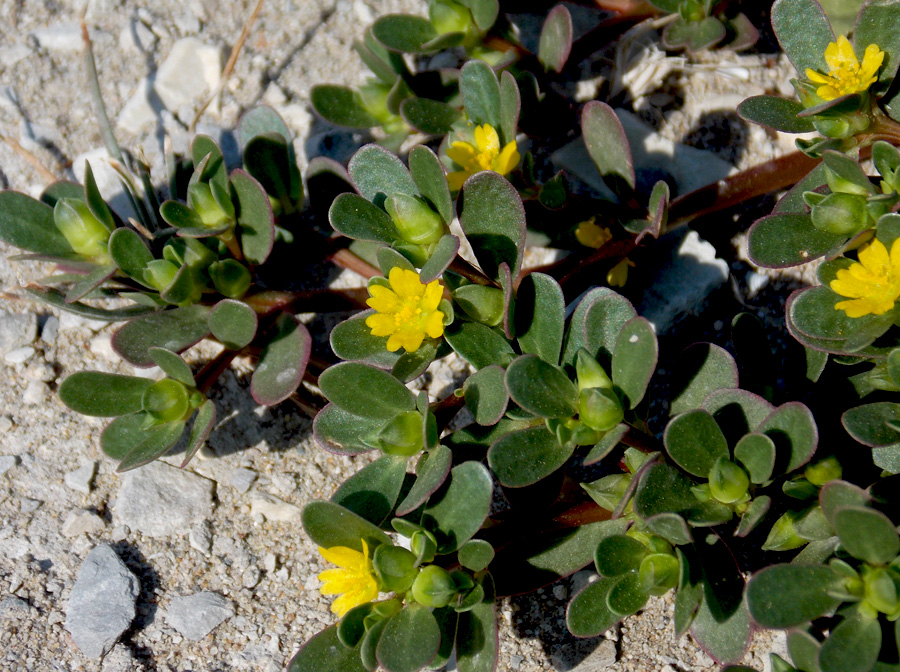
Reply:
x=744, y=477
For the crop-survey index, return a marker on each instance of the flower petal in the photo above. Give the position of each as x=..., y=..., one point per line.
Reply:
x=342, y=556
x=487, y=139
x=434, y=325
x=406, y=283
x=507, y=159
x=381, y=325
x=462, y=153
x=455, y=180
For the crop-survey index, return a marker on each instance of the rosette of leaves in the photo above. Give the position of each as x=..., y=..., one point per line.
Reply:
x=696, y=27
x=856, y=589
x=441, y=596
x=396, y=99
x=188, y=270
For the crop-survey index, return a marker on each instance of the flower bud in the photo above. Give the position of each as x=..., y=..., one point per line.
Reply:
x=415, y=220
x=433, y=587
x=783, y=535
x=85, y=233
x=166, y=401
x=840, y=213
x=394, y=567
x=823, y=471
x=402, y=434
x=728, y=482
x=482, y=304
x=202, y=201
x=230, y=278
x=600, y=408
x=589, y=373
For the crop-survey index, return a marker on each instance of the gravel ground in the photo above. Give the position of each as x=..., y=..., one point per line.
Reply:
x=59, y=497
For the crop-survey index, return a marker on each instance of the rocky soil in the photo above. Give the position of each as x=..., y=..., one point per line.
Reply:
x=208, y=568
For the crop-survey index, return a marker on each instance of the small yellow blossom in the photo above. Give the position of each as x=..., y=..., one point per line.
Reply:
x=354, y=580
x=618, y=274
x=873, y=283
x=484, y=155
x=406, y=311
x=590, y=234
x=847, y=75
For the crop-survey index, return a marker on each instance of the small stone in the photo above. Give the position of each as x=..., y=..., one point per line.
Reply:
x=11, y=55
x=35, y=392
x=270, y=562
x=80, y=522
x=272, y=508
x=68, y=321
x=101, y=605
x=19, y=355
x=7, y=462
x=251, y=576
x=12, y=607
x=16, y=330
x=138, y=114
x=241, y=479
x=27, y=505
x=119, y=533
x=560, y=592
x=120, y=659
x=59, y=37
x=40, y=371
x=195, y=616
x=159, y=500
x=190, y=72
x=284, y=483
x=200, y=538
x=582, y=656
x=50, y=329
x=274, y=96
x=282, y=575
x=102, y=347
x=80, y=479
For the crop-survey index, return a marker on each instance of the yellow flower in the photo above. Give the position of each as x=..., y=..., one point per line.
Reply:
x=847, y=75
x=618, y=274
x=485, y=155
x=407, y=311
x=590, y=234
x=873, y=283
x=354, y=578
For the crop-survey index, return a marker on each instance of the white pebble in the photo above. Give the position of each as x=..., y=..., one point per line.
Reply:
x=19, y=355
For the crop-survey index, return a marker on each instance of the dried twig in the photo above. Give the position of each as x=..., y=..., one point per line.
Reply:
x=229, y=66
x=46, y=174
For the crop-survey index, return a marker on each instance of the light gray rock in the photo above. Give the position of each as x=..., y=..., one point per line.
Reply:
x=241, y=479
x=190, y=72
x=17, y=330
x=80, y=479
x=80, y=522
x=12, y=54
x=36, y=392
x=682, y=284
x=251, y=576
x=59, y=37
x=195, y=616
x=200, y=538
x=272, y=508
x=27, y=505
x=7, y=462
x=120, y=659
x=13, y=608
x=138, y=113
x=159, y=500
x=585, y=656
x=50, y=329
x=101, y=605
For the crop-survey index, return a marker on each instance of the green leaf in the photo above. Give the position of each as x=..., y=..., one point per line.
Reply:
x=443, y=255
x=357, y=218
x=431, y=472
x=366, y=391
x=103, y=394
x=879, y=23
x=634, y=360
x=836, y=495
x=777, y=113
x=804, y=649
x=867, y=534
x=555, y=42
x=261, y=120
x=325, y=653
x=329, y=525
x=754, y=515
x=476, y=555
x=785, y=596
x=701, y=369
x=215, y=169
x=493, y=219
x=694, y=35
x=606, y=142
x=689, y=593
x=410, y=640
x=663, y=489
x=404, y=33
x=372, y=491
x=541, y=388
x=789, y=239
x=377, y=174
x=233, y=323
x=155, y=442
x=477, y=645
x=868, y=423
x=339, y=431
x=455, y=513
x=852, y=646
x=726, y=641
x=618, y=555
x=481, y=93
x=606, y=444
x=88, y=283
x=353, y=340
x=431, y=117
x=28, y=224
x=757, y=453
x=479, y=345
x=174, y=330
x=486, y=395
x=255, y=221
x=203, y=424
x=588, y=615
x=341, y=106
x=695, y=442
x=431, y=179
x=172, y=365
x=57, y=299
x=60, y=190
x=129, y=252
x=282, y=362
x=793, y=429
x=523, y=458
x=626, y=596
x=510, y=106
x=539, y=315
x=121, y=436
x=483, y=11
x=803, y=32
x=596, y=323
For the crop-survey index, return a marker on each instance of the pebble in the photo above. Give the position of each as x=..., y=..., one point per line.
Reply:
x=191, y=71
x=250, y=578
x=159, y=500
x=138, y=113
x=80, y=521
x=119, y=533
x=560, y=592
x=80, y=479
x=582, y=656
x=11, y=55
x=59, y=37
x=16, y=330
x=200, y=538
x=36, y=392
x=27, y=505
x=7, y=462
x=68, y=321
x=274, y=509
x=40, y=371
x=102, y=603
x=19, y=355
x=12, y=607
x=241, y=479
x=102, y=347
x=195, y=616
x=50, y=329
x=120, y=659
